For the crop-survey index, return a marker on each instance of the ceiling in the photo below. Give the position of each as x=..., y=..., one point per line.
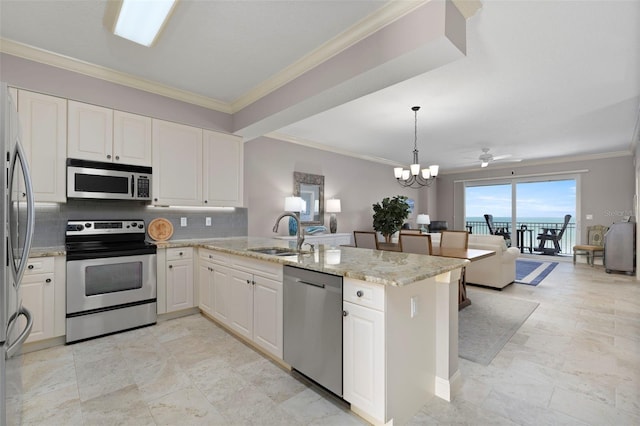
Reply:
x=540, y=79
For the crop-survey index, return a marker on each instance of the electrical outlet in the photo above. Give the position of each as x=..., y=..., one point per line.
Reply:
x=207, y=221
x=589, y=217
x=183, y=221
x=414, y=306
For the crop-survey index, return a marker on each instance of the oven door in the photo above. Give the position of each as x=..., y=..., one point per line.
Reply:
x=112, y=281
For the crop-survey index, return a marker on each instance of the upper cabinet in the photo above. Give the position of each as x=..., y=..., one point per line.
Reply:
x=223, y=171
x=102, y=134
x=43, y=121
x=192, y=167
x=177, y=164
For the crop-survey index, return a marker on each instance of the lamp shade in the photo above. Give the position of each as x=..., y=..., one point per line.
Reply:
x=333, y=206
x=294, y=204
x=423, y=219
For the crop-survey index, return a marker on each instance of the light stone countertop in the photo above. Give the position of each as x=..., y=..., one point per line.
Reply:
x=376, y=266
x=47, y=251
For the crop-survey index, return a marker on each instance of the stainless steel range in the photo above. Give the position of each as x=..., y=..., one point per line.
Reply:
x=111, y=278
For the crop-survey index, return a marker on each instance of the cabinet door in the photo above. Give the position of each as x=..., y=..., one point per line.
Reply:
x=267, y=315
x=241, y=303
x=222, y=168
x=177, y=164
x=205, y=287
x=131, y=139
x=38, y=296
x=43, y=120
x=222, y=281
x=90, y=132
x=179, y=285
x=363, y=359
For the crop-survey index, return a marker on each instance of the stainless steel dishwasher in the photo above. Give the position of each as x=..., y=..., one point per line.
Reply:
x=313, y=325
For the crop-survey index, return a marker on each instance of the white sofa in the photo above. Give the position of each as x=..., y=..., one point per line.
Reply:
x=496, y=271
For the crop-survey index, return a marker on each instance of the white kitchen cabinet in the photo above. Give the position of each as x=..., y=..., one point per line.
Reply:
x=131, y=139
x=43, y=291
x=363, y=358
x=90, y=132
x=102, y=134
x=223, y=169
x=177, y=164
x=43, y=121
x=246, y=297
x=179, y=279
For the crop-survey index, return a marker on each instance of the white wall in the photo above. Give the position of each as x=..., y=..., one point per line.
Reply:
x=269, y=165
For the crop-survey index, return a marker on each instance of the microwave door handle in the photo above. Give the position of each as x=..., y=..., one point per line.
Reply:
x=19, y=153
x=133, y=186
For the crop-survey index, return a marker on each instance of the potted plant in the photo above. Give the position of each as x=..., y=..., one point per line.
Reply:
x=389, y=215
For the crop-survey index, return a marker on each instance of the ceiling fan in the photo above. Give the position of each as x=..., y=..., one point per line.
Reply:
x=486, y=157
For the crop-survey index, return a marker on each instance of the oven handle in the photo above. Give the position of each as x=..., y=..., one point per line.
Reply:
x=133, y=180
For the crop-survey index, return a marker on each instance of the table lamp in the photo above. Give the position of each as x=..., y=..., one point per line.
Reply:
x=333, y=207
x=423, y=219
x=294, y=205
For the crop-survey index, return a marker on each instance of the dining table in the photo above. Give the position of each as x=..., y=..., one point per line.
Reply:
x=472, y=255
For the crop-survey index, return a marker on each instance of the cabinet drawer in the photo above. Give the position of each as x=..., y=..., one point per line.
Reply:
x=179, y=253
x=213, y=256
x=39, y=265
x=363, y=293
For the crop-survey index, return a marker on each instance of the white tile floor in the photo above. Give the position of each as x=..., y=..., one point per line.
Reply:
x=575, y=361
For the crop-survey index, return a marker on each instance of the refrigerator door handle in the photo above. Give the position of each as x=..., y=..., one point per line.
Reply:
x=19, y=154
x=15, y=346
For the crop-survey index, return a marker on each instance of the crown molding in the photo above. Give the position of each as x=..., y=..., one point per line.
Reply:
x=384, y=16
x=46, y=57
x=311, y=144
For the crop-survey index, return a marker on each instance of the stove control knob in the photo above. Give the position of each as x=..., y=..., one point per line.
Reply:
x=133, y=224
x=140, y=226
x=87, y=225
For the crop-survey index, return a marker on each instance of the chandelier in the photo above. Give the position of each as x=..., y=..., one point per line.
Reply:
x=415, y=177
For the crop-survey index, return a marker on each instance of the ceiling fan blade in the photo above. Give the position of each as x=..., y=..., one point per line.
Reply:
x=501, y=157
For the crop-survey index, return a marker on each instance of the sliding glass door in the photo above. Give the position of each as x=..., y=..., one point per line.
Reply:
x=524, y=208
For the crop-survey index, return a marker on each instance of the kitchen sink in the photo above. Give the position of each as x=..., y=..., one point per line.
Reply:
x=277, y=251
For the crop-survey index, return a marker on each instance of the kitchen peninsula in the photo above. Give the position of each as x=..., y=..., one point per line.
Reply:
x=401, y=324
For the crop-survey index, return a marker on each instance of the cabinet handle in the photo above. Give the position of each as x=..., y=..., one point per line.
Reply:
x=155, y=199
x=210, y=257
x=206, y=201
x=170, y=266
x=345, y=313
x=248, y=281
x=30, y=266
x=359, y=293
x=24, y=194
x=253, y=282
x=109, y=156
x=117, y=157
x=180, y=253
x=48, y=280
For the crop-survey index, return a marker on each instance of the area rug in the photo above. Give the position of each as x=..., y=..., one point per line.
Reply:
x=488, y=323
x=531, y=272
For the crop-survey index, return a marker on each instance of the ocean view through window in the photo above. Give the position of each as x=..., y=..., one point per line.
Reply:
x=529, y=205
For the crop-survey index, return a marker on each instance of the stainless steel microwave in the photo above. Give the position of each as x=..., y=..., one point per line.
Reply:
x=111, y=181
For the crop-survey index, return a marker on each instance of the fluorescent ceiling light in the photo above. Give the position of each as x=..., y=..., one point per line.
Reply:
x=141, y=20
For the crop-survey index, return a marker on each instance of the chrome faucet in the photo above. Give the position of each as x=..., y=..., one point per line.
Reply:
x=300, y=234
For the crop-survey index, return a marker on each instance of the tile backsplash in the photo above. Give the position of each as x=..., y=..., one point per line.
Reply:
x=51, y=219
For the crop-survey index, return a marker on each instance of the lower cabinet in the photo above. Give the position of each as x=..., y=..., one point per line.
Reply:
x=179, y=278
x=43, y=294
x=364, y=347
x=245, y=295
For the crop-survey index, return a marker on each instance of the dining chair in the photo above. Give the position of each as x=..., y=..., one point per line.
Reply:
x=411, y=231
x=413, y=243
x=594, y=246
x=366, y=239
x=454, y=239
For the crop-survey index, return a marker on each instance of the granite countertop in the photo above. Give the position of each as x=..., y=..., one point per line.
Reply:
x=377, y=266
x=47, y=251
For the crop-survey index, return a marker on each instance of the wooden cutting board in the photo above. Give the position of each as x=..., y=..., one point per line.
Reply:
x=160, y=229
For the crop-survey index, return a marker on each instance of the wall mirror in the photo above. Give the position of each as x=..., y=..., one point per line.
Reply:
x=311, y=189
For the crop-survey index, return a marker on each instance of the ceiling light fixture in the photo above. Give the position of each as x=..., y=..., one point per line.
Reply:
x=142, y=20
x=415, y=177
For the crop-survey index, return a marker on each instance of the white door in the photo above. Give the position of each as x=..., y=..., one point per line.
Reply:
x=38, y=296
x=205, y=287
x=43, y=120
x=222, y=281
x=363, y=359
x=267, y=314
x=241, y=303
x=131, y=139
x=177, y=164
x=90, y=132
x=179, y=285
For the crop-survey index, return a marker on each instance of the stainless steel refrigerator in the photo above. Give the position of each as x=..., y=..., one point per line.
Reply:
x=16, y=234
